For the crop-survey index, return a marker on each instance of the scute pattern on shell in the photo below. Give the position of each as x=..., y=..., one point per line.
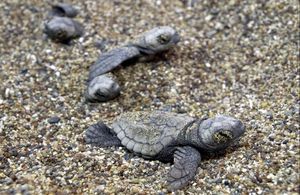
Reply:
x=148, y=133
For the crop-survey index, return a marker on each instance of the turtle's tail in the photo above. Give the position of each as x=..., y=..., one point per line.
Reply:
x=101, y=135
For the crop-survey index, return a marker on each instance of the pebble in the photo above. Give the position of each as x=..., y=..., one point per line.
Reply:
x=53, y=120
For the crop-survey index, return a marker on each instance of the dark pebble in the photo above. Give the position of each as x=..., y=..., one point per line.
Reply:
x=24, y=71
x=285, y=141
x=269, y=115
x=53, y=120
x=271, y=138
x=226, y=182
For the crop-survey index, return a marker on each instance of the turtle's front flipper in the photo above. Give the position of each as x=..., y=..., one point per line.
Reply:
x=186, y=161
x=110, y=60
x=101, y=135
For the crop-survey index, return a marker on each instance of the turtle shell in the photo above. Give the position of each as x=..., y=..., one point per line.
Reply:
x=147, y=133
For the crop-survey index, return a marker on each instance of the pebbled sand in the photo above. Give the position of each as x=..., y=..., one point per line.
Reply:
x=236, y=57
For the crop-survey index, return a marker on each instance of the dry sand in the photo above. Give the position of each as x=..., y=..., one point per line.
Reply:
x=236, y=57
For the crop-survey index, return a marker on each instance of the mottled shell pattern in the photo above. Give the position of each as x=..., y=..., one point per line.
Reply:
x=148, y=133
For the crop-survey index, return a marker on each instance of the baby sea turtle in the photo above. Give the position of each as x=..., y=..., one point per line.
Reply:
x=63, y=29
x=144, y=47
x=168, y=137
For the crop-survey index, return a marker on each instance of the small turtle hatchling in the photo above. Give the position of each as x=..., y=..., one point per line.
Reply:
x=142, y=48
x=145, y=46
x=168, y=137
x=63, y=29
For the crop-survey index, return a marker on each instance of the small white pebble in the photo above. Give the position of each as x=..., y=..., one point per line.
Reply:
x=48, y=51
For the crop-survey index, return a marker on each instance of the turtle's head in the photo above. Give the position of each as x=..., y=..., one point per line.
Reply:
x=102, y=88
x=59, y=29
x=219, y=132
x=159, y=39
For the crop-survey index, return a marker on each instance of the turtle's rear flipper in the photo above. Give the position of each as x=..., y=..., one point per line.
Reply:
x=100, y=135
x=186, y=161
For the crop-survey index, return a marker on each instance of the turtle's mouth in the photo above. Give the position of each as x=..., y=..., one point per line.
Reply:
x=216, y=142
x=222, y=136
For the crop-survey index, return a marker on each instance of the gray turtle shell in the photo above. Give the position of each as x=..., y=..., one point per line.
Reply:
x=148, y=133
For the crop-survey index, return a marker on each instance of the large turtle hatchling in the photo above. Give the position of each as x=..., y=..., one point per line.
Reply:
x=142, y=48
x=168, y=137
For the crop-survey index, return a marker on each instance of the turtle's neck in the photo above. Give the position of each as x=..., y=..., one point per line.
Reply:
x=191, y=134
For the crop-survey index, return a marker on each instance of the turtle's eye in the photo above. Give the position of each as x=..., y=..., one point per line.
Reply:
x=163, y=39
x=222, y=136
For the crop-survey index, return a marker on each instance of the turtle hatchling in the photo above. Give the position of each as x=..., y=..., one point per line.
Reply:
x=168, y=137
x=144, y=47
x=63, y=29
